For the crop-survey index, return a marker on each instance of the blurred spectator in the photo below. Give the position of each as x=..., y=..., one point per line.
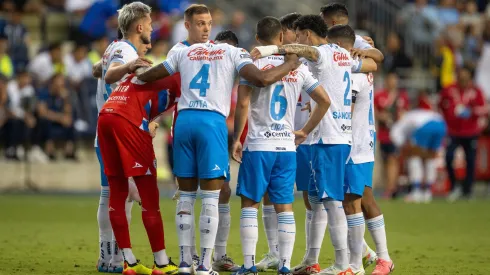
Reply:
x=99, y=16
x=390, y=103
x=6, y=65
x=173, y=7
x=395, y=56
x=424, y=100
x=158, y=52
x=483, y=66
x=421, y=24
x=448, y=14
x=3, y=108
x=471, y=17
x=463, y=107
x=471, y=46
x=98, y=49
x=179, y=32
x=56, y=117
x=47, y=64
x=244, y=32
x=448, y=56
x=218, y=21
x=16, y=34
x=78, y=66
x=77, y=6
x=21, y=97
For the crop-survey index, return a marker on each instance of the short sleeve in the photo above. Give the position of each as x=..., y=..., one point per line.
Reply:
x=123, y=53
x=362, y=44
x=310, y=83
x=172, y=62
x=356, y=65
x=240, y=58
x=322, y=55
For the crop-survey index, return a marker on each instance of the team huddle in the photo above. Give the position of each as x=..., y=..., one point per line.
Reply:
x=304, y=116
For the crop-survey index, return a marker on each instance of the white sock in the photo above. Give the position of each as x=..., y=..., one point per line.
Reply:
x=365, y=248
x=184, y=223
x=287, y=234
x=117, y=257
x=376, y=227
x=208, y=224
x=318, y=226
x=223, y=231
x=249, y=235
x=269, y=217
x=356, y=226
x=128, y=255
x=430, y=172
x=337, y=226
x=105, y=228
x=161, y=257
x=308, y=216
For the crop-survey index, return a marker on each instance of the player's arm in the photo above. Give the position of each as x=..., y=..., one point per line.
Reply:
x=241, y=112
x=118, y=70
x=97, y=69
x=322, y=100
x=373, y=53
x=308, y=52
x=366, y=65
x=265, y=78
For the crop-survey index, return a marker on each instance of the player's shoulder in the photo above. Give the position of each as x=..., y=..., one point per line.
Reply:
x=120, y=46
x=361, y=43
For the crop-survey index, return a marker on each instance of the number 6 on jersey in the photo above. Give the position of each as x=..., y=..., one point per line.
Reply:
x=279, y=104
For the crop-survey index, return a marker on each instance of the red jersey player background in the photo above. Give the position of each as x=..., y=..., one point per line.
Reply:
x=127, y=151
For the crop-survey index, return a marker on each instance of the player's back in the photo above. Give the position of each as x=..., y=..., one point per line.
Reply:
x=333, y=70
x=363, y=128
x=207, y=74
x=273, y=108
x=118, y=51
x=419, y=117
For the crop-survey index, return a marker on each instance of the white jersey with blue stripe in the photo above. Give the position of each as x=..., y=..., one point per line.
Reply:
x=363, y=128
x=120, y=51
x=207, y=73
x=410, y=122
x=272, y=108
x=362, y=44
x=333, y=69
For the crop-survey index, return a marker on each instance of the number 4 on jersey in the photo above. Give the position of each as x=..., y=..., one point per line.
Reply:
x=200, y=81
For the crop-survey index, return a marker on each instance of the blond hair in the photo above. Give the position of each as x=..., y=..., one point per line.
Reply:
x=131, y=13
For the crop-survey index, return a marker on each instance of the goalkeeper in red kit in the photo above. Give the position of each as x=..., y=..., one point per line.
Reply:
x=125, y=141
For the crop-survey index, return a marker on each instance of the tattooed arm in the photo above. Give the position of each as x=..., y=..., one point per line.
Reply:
x=308, y=52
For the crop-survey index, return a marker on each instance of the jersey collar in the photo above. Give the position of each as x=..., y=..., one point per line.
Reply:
x=130, y=44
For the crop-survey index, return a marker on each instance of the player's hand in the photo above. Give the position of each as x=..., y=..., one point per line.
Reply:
x=138, y=63
x=255, y=54
x=300, y=137
x=369, y=40
x=236, y=151
x=307, y=107
x=153, y=128
x=66, y=120
x=293, y=59
x=358, y=53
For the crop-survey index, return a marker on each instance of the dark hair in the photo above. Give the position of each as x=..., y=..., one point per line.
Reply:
x=469, y=68
x=268, y=28
x=195, y=9
x=3, y=78
x=287, y=21
x=333, y=9
x=313, y=23
x=227, y=36
x=344, y=32
x=54, y=46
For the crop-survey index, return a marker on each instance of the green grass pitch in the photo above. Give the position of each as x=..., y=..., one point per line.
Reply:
x=58, y=235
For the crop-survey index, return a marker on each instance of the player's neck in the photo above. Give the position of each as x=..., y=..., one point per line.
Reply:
x=135, y=41
x=192, y=41
x=317, y=41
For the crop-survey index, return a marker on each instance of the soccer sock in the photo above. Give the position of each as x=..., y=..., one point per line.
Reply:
x=105, y=229
x=117, y=214
x=128, y=255
x=249, y=235
x=208, y=224
x=376, y=227
x=161, y=257
x=287, y=234
x=223, y=231
x=365, y=248
x=308, y=216
x=117, y=256
x=415, y=172
x=430, y=173
x=152, y=219
x=338, y=232
x=184, y=221
x=193, y=234
x=318, y=226
x=269, y=217
x=356, y=230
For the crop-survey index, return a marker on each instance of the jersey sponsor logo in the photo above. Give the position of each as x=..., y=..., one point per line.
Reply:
x=346, y=128
x=284, y=134
x=122, y=88
x=198, y=104
x=292, y=77
x=342, y=59
x=201, y=53
x=277, y=127
x=267, y=67
x=118, y=98
x=342, y=115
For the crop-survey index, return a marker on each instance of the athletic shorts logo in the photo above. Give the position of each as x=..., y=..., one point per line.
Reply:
x=155, y=163
x=137, y=165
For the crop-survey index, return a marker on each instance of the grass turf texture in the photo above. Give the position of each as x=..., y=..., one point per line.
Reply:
x=58, y=235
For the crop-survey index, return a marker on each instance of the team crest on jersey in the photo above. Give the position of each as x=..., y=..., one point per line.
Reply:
x=117, y=54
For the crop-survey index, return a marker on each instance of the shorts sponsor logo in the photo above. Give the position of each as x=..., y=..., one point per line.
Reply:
x=283, y=134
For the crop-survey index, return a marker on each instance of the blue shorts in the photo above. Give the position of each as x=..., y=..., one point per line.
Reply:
x=358, y=176
x=103, y=178
x=430, y=135
x=303, y=167
x=200, y=145
x=271, y=172
x=328, y=162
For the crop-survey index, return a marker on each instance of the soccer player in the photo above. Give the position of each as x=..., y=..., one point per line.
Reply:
x=207, y=72
x=127, y=151
x=268, y=163
x=198, y=22
x=332, y=66
x=119, y=58
x=420, y=132
x=333, y=14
